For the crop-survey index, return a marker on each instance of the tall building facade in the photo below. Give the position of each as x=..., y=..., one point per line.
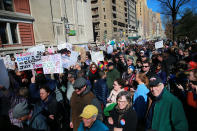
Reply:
x=149, y=22
x=132, y=18
x=24, y=23
x=110, y=19
x=58, y=21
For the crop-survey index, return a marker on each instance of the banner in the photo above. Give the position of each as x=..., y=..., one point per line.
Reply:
x=29, y=60
x=52, y=64
x=97, y=56
x=8, y=63
x=159, y=44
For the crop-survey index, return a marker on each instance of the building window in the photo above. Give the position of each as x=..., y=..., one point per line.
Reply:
x=115, y=29
x=114, y=15
x=105, y=32
x=103, y=9
x=105, y=24
x=114, y=1
x=104, y=16
x=9, y=33
x=6, y=5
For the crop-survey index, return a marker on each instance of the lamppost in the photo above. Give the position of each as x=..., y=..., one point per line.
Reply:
x=66, y=27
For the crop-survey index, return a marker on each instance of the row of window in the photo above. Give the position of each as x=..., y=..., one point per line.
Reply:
x=6, y=5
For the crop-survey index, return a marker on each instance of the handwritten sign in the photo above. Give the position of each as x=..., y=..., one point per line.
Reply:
x=29, y=60
x=159, y=44
x=8, y=63
x=97, y=56
x=52, y=64
x=36, y=48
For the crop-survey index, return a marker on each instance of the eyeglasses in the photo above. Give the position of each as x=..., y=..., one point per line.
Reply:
x=124, y=102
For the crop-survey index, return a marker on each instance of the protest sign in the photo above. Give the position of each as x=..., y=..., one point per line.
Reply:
x=68, y=46
x=97, y=56
x=8, y=63
x=69, y=61
x=52, y=64
x=36, y=48
x=109, y=49
x=81, y=51
x=159, y=44
x=29, y=60
x=51, y=50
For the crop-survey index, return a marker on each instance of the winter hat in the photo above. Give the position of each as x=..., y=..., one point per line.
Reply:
x=79, y=83
x=192, y=65
x=21, y=110
x=131, y=67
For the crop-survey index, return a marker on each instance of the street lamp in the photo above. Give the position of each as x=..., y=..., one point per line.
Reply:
x=66, y=26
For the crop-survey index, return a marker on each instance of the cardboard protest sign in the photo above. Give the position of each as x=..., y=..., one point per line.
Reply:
x=159, y=44
x=4, y=81
x=29, y=60
x=81, y=51
x=8, y=63
x=52, y=64
x=97, y=56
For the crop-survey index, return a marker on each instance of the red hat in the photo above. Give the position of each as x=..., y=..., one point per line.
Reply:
x=192, y=66
x=39, y=71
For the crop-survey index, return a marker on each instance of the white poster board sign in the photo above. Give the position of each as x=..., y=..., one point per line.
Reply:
x=8, y=63
x=97, y=56
x=159, y=44
x=52, y=64
x=29, y=60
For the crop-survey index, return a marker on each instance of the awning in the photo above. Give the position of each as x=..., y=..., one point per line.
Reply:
x=134, y=37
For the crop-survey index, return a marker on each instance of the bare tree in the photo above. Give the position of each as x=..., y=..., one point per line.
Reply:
x=172, y=7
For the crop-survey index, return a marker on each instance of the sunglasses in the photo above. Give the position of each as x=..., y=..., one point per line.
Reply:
x=145, y=66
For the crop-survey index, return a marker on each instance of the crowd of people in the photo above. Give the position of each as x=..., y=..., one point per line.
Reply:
x=135, y=88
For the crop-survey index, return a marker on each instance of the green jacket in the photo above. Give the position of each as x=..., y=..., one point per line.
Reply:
x=169, y=114
x=111, y=76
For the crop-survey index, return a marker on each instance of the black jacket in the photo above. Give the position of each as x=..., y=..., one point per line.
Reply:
x=127, y=120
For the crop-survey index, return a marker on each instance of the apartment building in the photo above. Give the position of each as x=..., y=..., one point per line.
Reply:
x=110, y=20
x=16, y=25
x=59, y=21
x=150, y=25
x=132, y=18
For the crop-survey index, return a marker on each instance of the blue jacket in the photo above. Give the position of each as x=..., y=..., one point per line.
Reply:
x=38, y=121
x=101, y=91
x=97, y=126
x=140, y=100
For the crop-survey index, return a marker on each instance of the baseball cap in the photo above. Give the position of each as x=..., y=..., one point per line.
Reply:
x=89, y=111
x=154, y=81
x=79, y=83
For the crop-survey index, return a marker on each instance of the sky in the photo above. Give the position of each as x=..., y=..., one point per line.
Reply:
x=155, y=6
